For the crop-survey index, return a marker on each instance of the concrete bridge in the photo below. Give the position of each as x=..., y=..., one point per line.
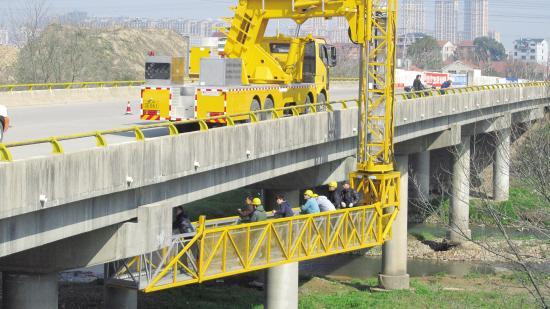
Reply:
x=100, y=205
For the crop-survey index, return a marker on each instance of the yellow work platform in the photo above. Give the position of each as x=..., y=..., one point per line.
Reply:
x=222, y=248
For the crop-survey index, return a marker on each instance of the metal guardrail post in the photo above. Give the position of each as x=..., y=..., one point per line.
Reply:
x=5, y=154
x=57, y=148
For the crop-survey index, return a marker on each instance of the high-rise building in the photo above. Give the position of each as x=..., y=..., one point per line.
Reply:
x=476, y=18
x=495, y=35
x=412, y=17
x=446, y=20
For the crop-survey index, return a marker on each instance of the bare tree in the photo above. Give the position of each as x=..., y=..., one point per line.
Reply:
x=531, y=167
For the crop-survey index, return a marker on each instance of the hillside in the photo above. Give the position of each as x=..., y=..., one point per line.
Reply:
x=8, y=57
x=65, y=53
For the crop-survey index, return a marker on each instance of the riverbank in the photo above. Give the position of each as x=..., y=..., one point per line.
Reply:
x=440, y=291
x=534, y=251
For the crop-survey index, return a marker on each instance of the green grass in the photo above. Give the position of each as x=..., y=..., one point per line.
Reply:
x=424, y=236
x=421, y=295
x=353, y=294
x=522, y=204
x=205, y=297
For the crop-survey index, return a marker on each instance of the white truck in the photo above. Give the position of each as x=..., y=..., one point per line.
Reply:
x=4, y=121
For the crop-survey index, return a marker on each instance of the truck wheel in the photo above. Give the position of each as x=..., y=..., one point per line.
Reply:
x=307, y=110
x=321, y=99
x=267, y=105
x=255, y=106
x=187, y=127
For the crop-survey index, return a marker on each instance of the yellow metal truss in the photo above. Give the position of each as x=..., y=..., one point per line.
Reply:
x=217, y=252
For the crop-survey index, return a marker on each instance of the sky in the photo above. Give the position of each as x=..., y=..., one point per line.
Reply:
x=512, y=18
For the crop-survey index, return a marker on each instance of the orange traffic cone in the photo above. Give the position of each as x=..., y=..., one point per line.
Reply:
x=128, y=109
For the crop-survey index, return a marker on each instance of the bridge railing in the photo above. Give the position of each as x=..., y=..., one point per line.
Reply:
x=71, y=85
x=463, y=90
x=217, y=252
x=254, y=117
x=202, y=123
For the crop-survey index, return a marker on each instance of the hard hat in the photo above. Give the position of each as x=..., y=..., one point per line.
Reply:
x=333, y=184
x=256, y=201
x=309, y=193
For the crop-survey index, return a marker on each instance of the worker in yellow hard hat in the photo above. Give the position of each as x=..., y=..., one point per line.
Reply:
x=311, y=206
x=259, y=213
x=334, y=194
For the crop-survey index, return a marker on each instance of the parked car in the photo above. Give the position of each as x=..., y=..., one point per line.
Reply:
x=4, y=121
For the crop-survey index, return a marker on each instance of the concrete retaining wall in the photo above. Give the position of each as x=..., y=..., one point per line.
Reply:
x=67, y=96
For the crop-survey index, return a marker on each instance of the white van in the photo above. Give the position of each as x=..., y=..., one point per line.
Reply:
x=4, y=121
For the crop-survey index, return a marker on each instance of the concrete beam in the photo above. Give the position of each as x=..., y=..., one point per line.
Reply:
x=528, y=115
x=446, y=138
x=488, y=125
x=312, y=177
x=149, y=232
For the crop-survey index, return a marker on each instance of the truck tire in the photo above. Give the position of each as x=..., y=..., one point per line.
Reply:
x=268, y=104
x=321, y=99
x=307, y=110
x=254, y=106
x=187, y=127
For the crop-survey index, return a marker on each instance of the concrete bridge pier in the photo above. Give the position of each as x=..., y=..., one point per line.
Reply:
x=281, y=282
x=281, y=290
x=421, y=175
x=119, y=297
x=501, y=165
x=394, y=274
x=460, y=193
x=21, y=290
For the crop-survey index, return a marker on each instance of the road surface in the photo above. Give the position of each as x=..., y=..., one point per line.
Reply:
x=35, y=122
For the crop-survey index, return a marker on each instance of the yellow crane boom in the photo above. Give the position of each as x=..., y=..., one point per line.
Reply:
x=215, y=250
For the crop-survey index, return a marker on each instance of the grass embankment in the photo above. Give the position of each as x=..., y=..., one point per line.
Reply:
x=522, y=205
x=474, y=291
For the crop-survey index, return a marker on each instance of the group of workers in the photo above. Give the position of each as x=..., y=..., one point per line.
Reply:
x=418, y=86
x=254, y=210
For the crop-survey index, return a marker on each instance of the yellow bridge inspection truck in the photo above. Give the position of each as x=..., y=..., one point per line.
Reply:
x=253, y=73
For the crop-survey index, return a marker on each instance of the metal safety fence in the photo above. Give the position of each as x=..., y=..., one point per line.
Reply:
x=70, y=85
x=254, y=117
x=202, y=123
x=464, y=90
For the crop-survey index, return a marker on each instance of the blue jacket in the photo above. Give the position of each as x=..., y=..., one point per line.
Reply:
x=284, y=211
x=311, y=207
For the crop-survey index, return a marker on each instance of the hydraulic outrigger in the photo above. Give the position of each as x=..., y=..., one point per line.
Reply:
x=222, y=248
